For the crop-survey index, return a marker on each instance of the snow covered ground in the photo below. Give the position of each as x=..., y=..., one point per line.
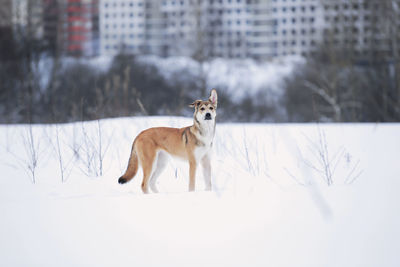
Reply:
x=271, y=204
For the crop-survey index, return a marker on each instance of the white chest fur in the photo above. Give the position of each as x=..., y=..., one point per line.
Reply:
x=205, y=136
x=207, y=131
x=200, y=152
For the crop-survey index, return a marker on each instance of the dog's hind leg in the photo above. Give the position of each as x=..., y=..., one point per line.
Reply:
x=160, y=164
x=147, y=160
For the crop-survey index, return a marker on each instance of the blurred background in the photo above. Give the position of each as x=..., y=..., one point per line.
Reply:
x=270, y=60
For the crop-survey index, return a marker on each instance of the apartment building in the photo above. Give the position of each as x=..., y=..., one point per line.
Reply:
x=260, y=44
x=259, y=29
x=17, y=15
x=177, y=27
x=71, y=27
x=122, y=27
x=363, y=27
x=297, y=26
x=366, y=28
x=6, y=14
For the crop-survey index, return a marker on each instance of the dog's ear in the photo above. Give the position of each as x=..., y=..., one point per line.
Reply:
x=195, y=104
x=213, y=97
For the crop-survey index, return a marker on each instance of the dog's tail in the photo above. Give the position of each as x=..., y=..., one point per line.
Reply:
x=132, y=168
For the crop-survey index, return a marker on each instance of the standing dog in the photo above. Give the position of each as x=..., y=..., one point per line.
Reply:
x=192, y=143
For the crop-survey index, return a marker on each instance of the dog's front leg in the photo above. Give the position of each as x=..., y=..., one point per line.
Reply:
x=192, y=174
x=205, y=162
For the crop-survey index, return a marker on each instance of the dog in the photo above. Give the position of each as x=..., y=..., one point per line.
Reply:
x=192, y=143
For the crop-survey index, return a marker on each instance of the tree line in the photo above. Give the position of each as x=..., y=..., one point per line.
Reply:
x=336, y=84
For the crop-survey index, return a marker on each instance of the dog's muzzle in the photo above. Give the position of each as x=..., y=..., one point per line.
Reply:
x=208, y=116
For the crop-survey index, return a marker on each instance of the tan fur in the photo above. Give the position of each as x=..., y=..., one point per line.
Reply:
x=192, y=143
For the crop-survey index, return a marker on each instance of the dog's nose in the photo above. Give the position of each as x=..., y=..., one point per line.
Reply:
x=208, y=116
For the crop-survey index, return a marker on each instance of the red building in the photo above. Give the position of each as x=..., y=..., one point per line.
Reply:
x=71, y=27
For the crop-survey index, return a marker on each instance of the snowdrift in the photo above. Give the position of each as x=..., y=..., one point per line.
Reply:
x=284, y=195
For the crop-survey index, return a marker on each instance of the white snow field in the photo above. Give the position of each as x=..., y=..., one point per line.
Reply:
x=271, y=204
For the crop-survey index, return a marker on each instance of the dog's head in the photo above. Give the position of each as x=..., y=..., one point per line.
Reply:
x=206, y=110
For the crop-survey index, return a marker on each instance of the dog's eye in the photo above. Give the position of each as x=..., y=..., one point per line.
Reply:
x=211, y=108
x=202, y=109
